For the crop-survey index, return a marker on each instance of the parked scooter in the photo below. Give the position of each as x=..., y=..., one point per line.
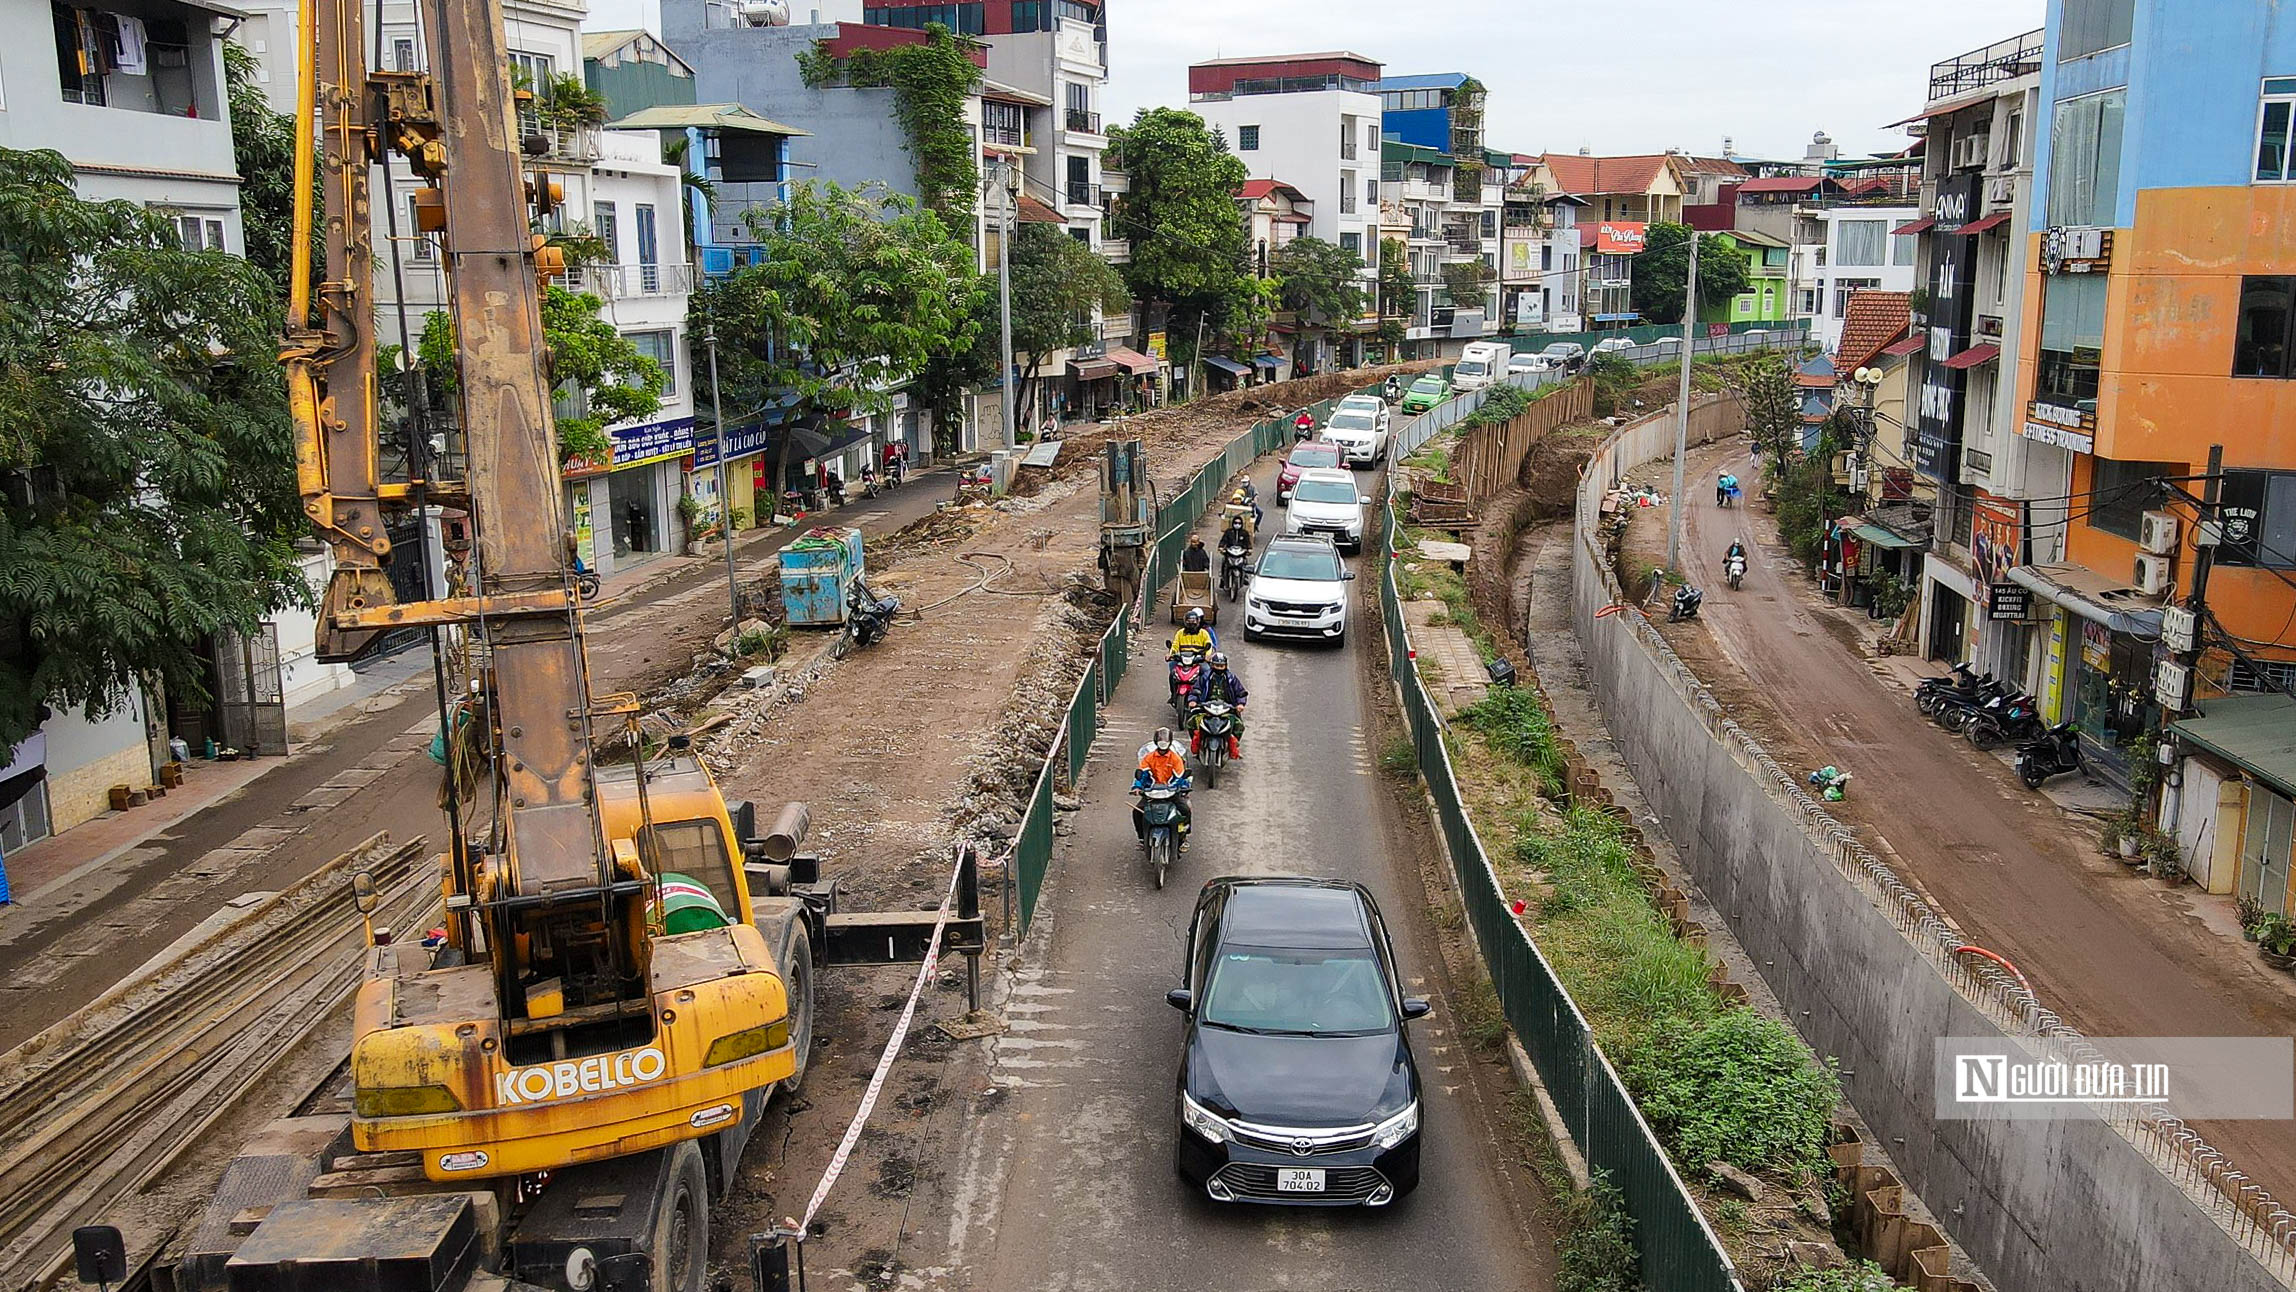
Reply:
x=1953, y=709
x=1832, y=783
x=1215, y=726
x=2052, y=753
x=1235, y=558
x=1963, y=679
x=1164, y=819
x=2011, y=718
x=1187, y=666
x=1687, y=599
x=867, y=619
x=868, y=482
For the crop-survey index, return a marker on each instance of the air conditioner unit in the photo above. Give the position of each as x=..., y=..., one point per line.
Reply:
x=2153, y=574
x=1969, y=152
x=2000, y=192
x=2158, y=533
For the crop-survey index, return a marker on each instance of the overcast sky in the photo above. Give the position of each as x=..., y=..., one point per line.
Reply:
x=1616, y=76
x=1626, y=76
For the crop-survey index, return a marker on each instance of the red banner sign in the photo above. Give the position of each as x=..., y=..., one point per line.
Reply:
x=1612, y=238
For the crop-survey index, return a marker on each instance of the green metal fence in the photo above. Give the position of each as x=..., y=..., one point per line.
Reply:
x=1679, y=1252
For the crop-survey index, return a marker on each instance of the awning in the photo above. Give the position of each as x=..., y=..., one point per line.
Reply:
x=1616, y=318
x=1975, y=227
x=1922, y=225
x=1974, y=355
x=1918, y=341
x=1227, y=365
x=1267, y=361
x=704, y=116
x=2093, y=597
x=1132, y=361
x=2257, y=732
x=1091, y=369
x=1868, y=532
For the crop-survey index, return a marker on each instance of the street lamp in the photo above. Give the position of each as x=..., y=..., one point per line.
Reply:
x=1864, y=383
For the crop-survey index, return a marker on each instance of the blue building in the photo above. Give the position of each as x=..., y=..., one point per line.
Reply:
x=1418, y=110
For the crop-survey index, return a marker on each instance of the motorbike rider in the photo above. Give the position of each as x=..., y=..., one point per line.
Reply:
x=1195, y=560
x=1303, y=426
x=1392, y=388
x=1219, y=682
x=1247, y=496
x=1193, y=635
x=1737, y=551
x=1725, y=486
x=1162, y=765
x=1236, y=535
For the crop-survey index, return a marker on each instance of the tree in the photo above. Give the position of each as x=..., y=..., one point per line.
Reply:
x=1190, y=248
x=610, y=380
x=144, y=445
x=1663, y=266
x=855, y=292
x=1057, y=282
x=1773, y=406
x=1468, y=281
x=1398, y=294
x=931, y=82
x=1319, y=281
x=263, y=146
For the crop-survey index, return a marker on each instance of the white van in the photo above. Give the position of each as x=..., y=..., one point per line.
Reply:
x=1480, y=364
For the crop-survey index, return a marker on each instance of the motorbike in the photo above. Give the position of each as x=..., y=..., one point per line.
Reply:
x=1952, y=710
x=868, y=483
x=1963, y=679
x=1303, y=427
x=1215, y=726
x=867, y=618
x=1187, y=666
x=1233, y=562
x=1163, y=819
x=836, y=489
x=1686, y=602
x=1832, y=783
x=2052, y=753
x=2011, y=718
x=1734, y=569
x=1392, y=391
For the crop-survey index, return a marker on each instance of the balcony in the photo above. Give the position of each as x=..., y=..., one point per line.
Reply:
x=1084, y=195
x=631, y=282
x=1116, y=251
x=557, y=141
x=2002, y=61
x=1081, y=122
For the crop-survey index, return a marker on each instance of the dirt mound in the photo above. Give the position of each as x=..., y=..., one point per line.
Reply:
x=1550, y=473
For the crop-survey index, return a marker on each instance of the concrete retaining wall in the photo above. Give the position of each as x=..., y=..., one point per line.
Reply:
x=1865, y=971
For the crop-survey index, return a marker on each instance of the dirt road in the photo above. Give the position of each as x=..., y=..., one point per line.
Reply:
x=2115, y=955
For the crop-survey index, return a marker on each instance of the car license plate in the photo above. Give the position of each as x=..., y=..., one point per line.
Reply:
x=1299, y=1179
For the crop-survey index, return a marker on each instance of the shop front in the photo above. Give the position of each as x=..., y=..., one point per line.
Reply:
x=2104, y=640
x=1872, y=565
x=2006, y=635
x=643, y=482
x=2235, y=796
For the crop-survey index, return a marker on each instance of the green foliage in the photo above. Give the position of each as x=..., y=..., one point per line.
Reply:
x=1596, y=1253
x=1501, y=404
x=1513, y=722
x=1864, y=1276
x=1736, y=1088
x=1663, y=268
x=1319, y=280
x=856, y=290
x=565, y=100
x=1615, y=378
x=1807, y=496
x=1467, y=281
x=1189, y=241
x=263, y=146
x=1773, y=405
x=1398, y=294
x=931, y=82
x=1617, y=955
x=1057, y=282
x=610, y=381
x=144, y=443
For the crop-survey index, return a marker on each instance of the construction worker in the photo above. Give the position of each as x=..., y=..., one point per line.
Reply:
x=1193, y=635
x=1162, y=765
x=1219, y=682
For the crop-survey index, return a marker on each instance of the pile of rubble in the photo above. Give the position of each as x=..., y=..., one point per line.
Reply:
x=1002, y=774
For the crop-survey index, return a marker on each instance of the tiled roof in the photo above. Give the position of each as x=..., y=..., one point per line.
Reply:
x=1576, y=174
x=1709, y=165
x=1872, y=321
x=1255, y=190
x=1031, y=210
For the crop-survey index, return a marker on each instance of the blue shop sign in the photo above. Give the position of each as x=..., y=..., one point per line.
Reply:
x=740, y=442
x=652, y=441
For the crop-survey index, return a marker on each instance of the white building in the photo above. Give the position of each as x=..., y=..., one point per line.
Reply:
x=1860, y=253
x=1311, y=121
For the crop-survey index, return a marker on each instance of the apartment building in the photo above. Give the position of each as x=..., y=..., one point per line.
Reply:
x=2160, y=307
x=1539, y=254
x=1448, y=194
x=1857, y=250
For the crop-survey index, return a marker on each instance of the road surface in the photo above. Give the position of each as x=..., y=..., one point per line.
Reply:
x=1073, y=1187
x=2113, y=954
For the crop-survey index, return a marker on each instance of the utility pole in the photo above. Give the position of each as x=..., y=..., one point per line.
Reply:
x=724, y=495
x=1011, y=382
x=1682, y=410
x=2204, y=556
x=1196, y=364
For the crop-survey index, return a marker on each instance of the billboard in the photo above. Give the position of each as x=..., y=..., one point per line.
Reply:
x=1618, y=238
x=1952, y=293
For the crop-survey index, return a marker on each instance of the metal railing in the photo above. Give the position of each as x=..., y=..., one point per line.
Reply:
x=560, y=142
x=2001, y=61
x=1084, y=195
x=1083, y=122
x=622, y=282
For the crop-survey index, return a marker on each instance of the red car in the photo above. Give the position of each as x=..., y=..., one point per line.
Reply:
x=1305, y=457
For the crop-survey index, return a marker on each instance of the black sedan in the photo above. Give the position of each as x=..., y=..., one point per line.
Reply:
x=1297, y=1084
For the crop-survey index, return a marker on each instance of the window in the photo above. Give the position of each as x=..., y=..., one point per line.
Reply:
x=1775, y=257
x=1080, y=182
x=83, y=53
x=964, y=19
x=2260, y=511
x=1901, y=249
x=1844, y=287
x=2072, y=340
x=2085, y=160
x=537, y=67
x=1352, y=242
x=1027, y=15
x=1371, y=192
x=425, y=250
x=1809, y=302
x=1347, y=138
x=1859, y=242
x=2092, y=26
x=609, y=230
x=1546, y=256
x=402, y=54
x=2260, y=344
x=2012, y=143
x=1371, y=136
x=2122, y=492
x=661, y=347
x=1247, y=139
x=2273, y=165
x=200, y=233
x=1347, y=192
x=1003, y=124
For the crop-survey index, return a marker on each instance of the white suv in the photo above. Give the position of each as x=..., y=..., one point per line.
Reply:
x=1324, y=501
x=1361, y=432
x=1300, y=590
x=1368, y=404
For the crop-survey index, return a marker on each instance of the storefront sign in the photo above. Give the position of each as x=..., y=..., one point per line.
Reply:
x=652, y=441
x=2066, y=250
x=1952, y=293
x=2063, y=437
x=1996, y=538
x=2010, y=602
x=2096, y=646
x=1159, y=347
x=740, y=442
x=583, y=533
x=1620, y=239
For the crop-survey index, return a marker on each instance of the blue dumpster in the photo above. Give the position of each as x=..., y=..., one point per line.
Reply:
x=815, y=571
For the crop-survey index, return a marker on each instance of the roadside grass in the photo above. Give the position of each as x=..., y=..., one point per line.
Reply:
x=1433, y=458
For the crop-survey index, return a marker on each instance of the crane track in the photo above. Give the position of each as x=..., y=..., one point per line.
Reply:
x=125, y=1086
